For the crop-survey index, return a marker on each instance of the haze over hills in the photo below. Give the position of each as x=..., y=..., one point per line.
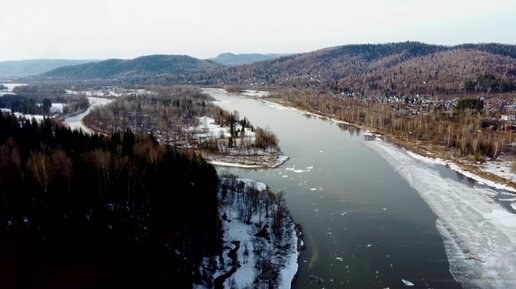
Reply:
x=145, y=66
x=34, y=66
x=231, y=59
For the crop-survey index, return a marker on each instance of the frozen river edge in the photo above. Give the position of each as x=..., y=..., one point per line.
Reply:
x=479, y=234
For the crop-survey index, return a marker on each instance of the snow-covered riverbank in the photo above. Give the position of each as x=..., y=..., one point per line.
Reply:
x=75, y=121
x=479, y=232
x=260, y=239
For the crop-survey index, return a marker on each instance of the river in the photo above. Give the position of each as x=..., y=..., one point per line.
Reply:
x=365, y=224
x=75, y=121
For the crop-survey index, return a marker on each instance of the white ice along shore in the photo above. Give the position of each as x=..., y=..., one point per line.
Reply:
x=260, y=239
x=479, y=233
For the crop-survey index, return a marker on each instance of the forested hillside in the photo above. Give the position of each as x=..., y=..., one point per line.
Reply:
x=88, y=211
x=137, y=68
x=448, y=72
x=404, y=68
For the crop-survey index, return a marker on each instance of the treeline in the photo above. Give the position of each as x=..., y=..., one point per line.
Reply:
x=91, y=211
x=25, y=105
x=461, y=130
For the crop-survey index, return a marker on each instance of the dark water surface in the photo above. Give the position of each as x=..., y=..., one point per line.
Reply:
x=364, y=226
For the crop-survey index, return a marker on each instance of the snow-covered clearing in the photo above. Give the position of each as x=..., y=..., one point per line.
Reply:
x=501, y=167
x=75, y=121
x=208, y=128
x=479, y=233
x=260, y=239
x=57, y=108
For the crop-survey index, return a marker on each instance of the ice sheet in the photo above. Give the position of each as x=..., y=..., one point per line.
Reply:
x=478, y=232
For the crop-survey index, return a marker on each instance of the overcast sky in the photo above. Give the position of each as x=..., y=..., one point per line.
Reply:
x=99, y=29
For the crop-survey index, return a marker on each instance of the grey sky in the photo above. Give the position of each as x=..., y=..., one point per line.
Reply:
x=203, y=28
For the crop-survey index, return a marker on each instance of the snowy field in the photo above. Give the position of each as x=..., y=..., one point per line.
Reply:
x=478, y=231
x=262, y=258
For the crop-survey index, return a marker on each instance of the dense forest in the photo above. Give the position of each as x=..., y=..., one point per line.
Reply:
x=92, y=211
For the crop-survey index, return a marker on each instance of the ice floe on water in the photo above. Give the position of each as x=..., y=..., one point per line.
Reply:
x=479, y=233
x=299, y=171
x=256, y=93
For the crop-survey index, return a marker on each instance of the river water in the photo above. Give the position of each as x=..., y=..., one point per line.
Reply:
x=364, y=226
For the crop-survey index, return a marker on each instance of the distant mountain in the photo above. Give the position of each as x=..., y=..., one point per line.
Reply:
x=34, y=66
x=392, y=68
x=231, y=59
x=141, y=67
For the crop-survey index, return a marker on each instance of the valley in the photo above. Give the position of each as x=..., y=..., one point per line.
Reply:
x=396, y=166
